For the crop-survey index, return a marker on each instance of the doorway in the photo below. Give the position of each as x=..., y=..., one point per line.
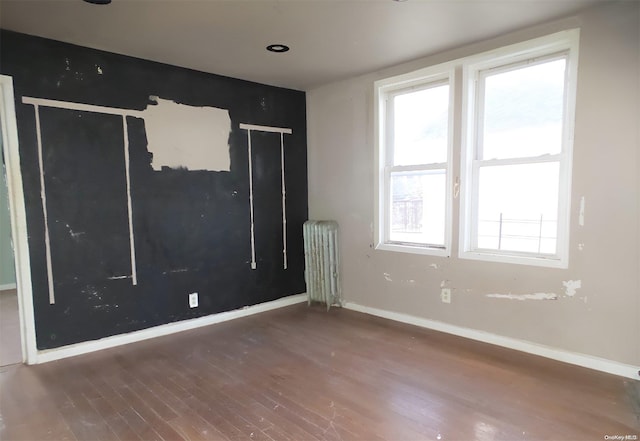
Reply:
x=17, y=324
x=10, y=343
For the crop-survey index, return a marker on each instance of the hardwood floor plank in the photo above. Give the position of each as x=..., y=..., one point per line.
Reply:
x=139, y=426
x=145, y=410
x=303, y=374
x=119, y=426
x=84, y=421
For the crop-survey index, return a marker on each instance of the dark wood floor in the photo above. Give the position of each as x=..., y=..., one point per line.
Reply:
x=301, y=373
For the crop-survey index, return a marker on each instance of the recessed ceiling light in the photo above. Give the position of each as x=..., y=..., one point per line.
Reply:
x=98, y=2
x=278, y=48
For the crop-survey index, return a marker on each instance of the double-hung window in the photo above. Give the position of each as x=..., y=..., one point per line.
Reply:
x=514, y=135
x=517, y=167
x=414, y=155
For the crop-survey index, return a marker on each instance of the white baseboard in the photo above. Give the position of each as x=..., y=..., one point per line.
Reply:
x=8, y=286
x=157, y=331
x=588, y=361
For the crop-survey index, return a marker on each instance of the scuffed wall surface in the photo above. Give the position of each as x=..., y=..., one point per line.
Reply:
x=190, y=221
x=593, y=307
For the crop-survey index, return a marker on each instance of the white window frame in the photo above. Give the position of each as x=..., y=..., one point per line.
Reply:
x=565, y=42
x=383, y=91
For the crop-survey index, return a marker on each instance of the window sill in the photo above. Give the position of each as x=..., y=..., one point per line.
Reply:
x=413, y=249
x=487, y=256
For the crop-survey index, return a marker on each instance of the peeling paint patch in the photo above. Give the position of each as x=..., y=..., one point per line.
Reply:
x=456, y=188
x=201, y=143
x=92, y=293
x=534, y=296
x=119, y=277
x=99, y=69
x=433, y=265
x=180, y=270
x=581, y=214
x=570, y=287
x=443, y=283
x=74, y=234
x=387, y=277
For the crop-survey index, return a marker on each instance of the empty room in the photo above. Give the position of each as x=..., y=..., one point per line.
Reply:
x=320, y=220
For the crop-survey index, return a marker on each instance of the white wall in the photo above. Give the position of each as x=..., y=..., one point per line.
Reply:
x=603, y=318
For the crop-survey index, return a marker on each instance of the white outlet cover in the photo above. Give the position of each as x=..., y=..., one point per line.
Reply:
x=193, y=300
x=445, y=295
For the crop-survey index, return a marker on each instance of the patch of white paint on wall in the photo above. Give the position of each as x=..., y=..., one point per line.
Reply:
x=387, y=277
x=534, y=296
x=433, y=265
x=580, y=246
x=581, y=214
x=201, y=143
x=570, y=287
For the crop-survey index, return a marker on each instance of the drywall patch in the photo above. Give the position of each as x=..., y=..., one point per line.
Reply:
x=387, y=277
x=534, y=296
x=433, y=265
x=200, y=143
x=570, y=287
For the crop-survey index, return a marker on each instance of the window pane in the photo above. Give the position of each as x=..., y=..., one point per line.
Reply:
x=523, y=111
x=418, y=207
x=518, y=207
x=420, y=126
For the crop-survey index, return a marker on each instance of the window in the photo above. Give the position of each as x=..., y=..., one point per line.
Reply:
x=515, y=147
x=519, y=109
x=414, y=157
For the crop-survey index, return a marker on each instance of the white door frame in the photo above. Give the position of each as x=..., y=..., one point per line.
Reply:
x=17, y=214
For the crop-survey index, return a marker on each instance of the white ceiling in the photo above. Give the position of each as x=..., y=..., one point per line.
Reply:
x=329, y=39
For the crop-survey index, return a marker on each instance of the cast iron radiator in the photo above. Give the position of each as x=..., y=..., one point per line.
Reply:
x=321, y=270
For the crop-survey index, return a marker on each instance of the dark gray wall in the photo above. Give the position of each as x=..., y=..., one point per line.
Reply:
x=192, y=228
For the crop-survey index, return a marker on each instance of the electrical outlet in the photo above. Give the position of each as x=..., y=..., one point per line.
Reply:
x=193, y=300
x=445, y=295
